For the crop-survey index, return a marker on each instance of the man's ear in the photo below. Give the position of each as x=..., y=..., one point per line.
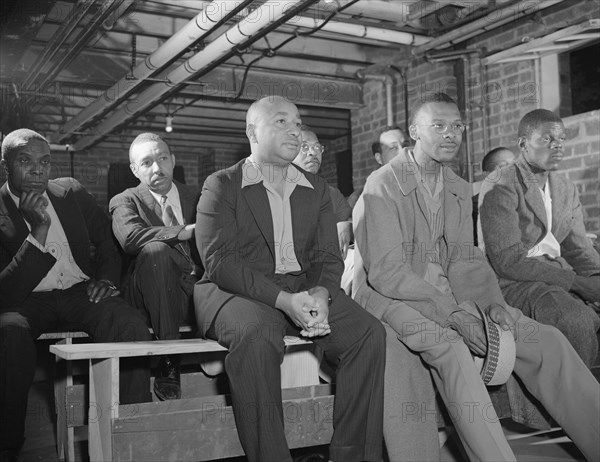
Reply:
x=412, y=131
x=133, y=169
x=4, y=166
x=378, y=158
x=522, y=143
x=251, y=133
x=173, y=159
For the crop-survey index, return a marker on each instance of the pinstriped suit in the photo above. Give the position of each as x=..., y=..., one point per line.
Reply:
x=235, y=305
x=161, y=282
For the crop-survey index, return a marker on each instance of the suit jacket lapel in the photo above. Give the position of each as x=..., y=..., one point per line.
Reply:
x=72, y=223
x=558, y=194
x=148, y=199
x=13, y=219
x=299, y=200
x=533, y=193
x=453, y=209
x=258, y=203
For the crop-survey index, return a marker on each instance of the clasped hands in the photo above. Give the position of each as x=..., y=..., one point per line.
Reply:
x=309, y=310
x=472, y=330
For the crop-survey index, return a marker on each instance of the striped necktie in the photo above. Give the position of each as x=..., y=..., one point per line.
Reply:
x=168, y=217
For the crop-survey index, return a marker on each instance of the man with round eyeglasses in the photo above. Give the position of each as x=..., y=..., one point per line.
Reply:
x=418, y=272
x=309, y=158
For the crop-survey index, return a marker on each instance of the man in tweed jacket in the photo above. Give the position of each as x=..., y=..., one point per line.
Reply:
x=532, y=225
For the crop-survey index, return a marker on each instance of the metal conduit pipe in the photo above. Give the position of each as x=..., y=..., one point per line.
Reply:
x=402, y=73
x=388, y=83
x=209, y=18
x=510, y=13
x=57, y=40
x=104, y=11
x=268, y=13
x=358, y=30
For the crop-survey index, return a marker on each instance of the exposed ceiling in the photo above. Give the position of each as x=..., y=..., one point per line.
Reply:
x=90, y=71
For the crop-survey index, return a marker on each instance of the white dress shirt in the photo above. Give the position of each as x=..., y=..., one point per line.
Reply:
x=65, y=273
x=548, y=245
x=285, y=254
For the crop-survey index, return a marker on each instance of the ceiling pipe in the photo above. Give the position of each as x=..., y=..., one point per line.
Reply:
x=464, y=56
x=215, y=52
x=507, y=14
x=357, y=30
x=388, y=84
x=57, y=41
x=104, y=11
x=211, y=17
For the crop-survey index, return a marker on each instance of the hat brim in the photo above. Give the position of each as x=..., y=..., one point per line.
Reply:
x=499, y=361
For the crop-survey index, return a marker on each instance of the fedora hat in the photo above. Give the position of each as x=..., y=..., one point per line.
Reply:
x=499, y=361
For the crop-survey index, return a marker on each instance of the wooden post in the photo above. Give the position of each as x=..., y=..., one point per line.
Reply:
x=104, y=407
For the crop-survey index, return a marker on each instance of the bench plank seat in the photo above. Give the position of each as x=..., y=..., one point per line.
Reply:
x=157, y=347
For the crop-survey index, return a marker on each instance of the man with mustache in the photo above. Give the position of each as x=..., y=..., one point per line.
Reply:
x=419, y=273
x=273, y=268
x=154, y=223
x=49, y=281
x=534, y=236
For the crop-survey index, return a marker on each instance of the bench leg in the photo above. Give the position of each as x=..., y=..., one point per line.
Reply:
x=65, y=435
x=104, y=407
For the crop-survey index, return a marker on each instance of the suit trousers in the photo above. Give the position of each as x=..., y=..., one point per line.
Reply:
x=253, y=332
x=110, y=320
x=161, y=286
x=545, y=362
x=556, y=307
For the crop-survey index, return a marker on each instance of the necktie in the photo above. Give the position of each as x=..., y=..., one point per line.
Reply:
x=168, y=217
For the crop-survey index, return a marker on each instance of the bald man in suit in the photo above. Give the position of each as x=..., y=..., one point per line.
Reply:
x=273, y=267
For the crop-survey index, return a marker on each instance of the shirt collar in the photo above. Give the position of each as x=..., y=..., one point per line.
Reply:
x=172, y=195
x=252, y=173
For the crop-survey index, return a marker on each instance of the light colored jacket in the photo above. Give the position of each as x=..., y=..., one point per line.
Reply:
x=392, y=246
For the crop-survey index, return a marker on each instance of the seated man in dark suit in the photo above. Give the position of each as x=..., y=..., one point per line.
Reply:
x=48, y=281
x=154, y=223
x=273, y=268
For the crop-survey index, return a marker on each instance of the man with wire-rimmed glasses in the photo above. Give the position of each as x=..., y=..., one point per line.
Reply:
x=309, y=158
x=418, y=271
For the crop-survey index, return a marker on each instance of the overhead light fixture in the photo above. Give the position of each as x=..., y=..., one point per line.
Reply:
x=169, y=123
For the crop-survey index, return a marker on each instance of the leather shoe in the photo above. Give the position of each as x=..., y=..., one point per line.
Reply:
x=167, y=383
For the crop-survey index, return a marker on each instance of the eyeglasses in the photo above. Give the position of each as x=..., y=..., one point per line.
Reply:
x=317, y=148
x=441, y=128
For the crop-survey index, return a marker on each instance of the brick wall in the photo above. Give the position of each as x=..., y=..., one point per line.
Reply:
x=91, y=167
x=510, y=90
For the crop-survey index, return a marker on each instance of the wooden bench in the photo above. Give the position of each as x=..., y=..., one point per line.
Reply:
x=68, y=397
x=195, y=427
